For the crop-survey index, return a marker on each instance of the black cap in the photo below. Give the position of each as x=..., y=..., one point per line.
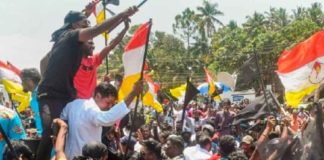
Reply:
x=69, y=19
x=73, y=16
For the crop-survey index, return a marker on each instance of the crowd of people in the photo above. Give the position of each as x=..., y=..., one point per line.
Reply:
x=76, y=119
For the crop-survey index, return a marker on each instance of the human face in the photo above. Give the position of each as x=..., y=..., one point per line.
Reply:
x=28, y=84
x=146, y=154
x=88, y=48
x=169, y=149
x=146, y=133
x=104, y=103
x=84, y=23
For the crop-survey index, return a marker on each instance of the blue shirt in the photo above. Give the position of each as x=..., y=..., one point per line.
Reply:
x=12, y=126
x=35, y=108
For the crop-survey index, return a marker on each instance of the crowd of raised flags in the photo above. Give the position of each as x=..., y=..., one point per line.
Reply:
x=300, y=133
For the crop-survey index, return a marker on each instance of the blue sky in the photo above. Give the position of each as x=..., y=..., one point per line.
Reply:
x=26, y=25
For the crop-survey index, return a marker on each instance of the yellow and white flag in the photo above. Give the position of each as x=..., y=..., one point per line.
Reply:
x=301, y=70
x=133, y=59
x=150, y=97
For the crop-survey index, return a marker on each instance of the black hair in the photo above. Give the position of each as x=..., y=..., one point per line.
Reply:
x=31, y=73
x=177, y=141
x=82, y=158
x=237, y=155
x=165, y=134
x=106, y=90
x=204, y=140
x=153, y=146
x=225, y=101
x=227, y=145
x=94, y=150
x=20, y=148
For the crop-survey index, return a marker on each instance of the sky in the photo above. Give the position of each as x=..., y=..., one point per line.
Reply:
x=27, y=25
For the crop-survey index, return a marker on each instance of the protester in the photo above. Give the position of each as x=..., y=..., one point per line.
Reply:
x=85, y=80
x=224, y=118
x=30, y=78
x=21, y=152
x=201, y=151
x=56, y=88
x=151, y=150
x=227, y=145
x=12, y=126
x=174, y=147
x=86, y=117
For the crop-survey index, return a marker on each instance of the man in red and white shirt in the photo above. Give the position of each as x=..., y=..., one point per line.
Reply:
x=85, y=80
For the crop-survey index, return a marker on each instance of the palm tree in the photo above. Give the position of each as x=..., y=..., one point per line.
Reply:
x=255, y=24
x=316, y=13
x=207, y=18
x=277, y=18
x=299, y=13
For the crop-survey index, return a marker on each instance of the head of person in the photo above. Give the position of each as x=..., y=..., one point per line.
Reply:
x=186, y=135
x=22, y=151
x=88, y=48
x=174, y=146
x=163, y=137
x=226, y=104
x=208, y=129
x=146, y=131
x=237, y=155
x=30, y=78
x=196, y=113
x=246, y=144
x=124, y=143
x=226, y=145
x=295, y=113
x=105, y=95
x=73, y=20
x=95, y=150
x=151, y=150
x=204, y=141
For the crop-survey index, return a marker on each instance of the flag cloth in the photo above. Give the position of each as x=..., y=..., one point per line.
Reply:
x=150, y=97
x=178, y=92
x=210, y=81
x=17, y=94
x=247, y=75
x=100, y=15
x=133, y=59
x=256, y=109
x=191, y=92
x=301, y=70
x=8, y=73
x=13, y=68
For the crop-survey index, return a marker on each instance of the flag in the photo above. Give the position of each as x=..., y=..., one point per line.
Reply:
x=13, y=68
x=191, y=92
x=150, y=97
x=247, y=75
x=301, y=69
x=210, y=81
x=179, y=92
x=256, y=109
x=133, y=59
x=9, y=73
x=99, y=13
x=17, y=94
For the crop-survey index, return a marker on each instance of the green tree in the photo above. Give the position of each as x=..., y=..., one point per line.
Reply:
x=208, y=18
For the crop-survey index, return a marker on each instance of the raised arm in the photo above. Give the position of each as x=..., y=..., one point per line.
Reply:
x=60, y=139
x=104, y=52
x=108, y=25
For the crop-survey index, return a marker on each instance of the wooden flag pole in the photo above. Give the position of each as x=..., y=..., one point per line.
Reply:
x=260, y=77
x=133, y=118
x=105, y=34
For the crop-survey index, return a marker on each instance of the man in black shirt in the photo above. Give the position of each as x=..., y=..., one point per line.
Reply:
x=56, y=88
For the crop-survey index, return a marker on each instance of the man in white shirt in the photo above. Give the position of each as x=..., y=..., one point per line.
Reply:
x=201, y=151
x=86, y=117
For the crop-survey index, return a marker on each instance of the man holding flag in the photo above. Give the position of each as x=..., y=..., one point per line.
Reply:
x=57, y=88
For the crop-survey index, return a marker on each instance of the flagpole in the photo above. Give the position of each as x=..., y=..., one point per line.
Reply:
x=184, y=105
x=138, y=97
x=260, y=77
x=105, y=34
